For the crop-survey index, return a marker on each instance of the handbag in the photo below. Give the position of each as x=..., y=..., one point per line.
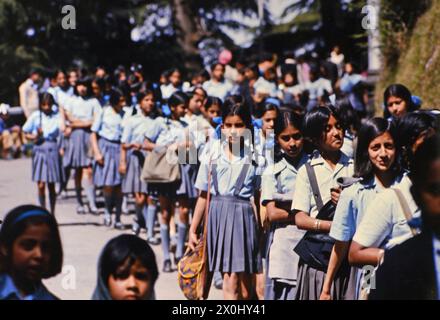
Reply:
x=193, y=273
x=158, y=169
x=314, y=248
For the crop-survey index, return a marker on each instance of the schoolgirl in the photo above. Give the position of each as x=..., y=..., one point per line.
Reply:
x=105, y=139
x=132, y=161
x=174, y=78
x=397, y=101
x=278, y=182
x=127, y=270
x=232, y=238
x=386, y=223
x=217, y=86
x=43, y=127
x=323, y=128
x=173, y=133
x=377, y=167
x=31, y=251
x=80, y=112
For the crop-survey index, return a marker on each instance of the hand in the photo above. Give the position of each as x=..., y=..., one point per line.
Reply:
x=192, y=240
x=61, y=152
x=325, y=295
x=99, y=159
x=67, y=132
x=335, y=193
x=122, y=168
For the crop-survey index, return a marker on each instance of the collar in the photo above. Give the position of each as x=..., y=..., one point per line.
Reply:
x=8, y=290
x=317, y=159
x=283, y=164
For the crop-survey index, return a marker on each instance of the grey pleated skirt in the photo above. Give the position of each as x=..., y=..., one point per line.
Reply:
x=132, y=181
x=108, y=174
x=77, y=154
x=64, y=144
x=311, y=282
x=188, y=174
x=232, y=239
x=46, y=163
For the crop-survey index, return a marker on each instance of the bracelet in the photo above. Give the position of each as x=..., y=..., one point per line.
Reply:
x=317, y=223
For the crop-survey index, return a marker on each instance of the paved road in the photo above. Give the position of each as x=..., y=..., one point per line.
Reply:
x=83, y=237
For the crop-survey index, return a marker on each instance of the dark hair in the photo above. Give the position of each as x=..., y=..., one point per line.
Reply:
x=55, y=73
x=142, y=94
x=85, y=81
x=210, y=101
x=215, y=64
x=115, y=96
x=261, y=108
x=16, y=222
x=123, y=247
x=178, y=98
x=286, y=119
x=427, y=153
x=409, y=128
x=349, y=117
x=46, y=98
x=371, y=129
x=199, y=88
x=316, y=121
x=400, y=91
x=235, y=105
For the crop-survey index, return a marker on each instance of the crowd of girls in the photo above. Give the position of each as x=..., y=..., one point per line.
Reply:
x=277, y=175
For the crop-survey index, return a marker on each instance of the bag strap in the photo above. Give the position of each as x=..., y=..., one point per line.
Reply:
x=213, y=171
x=208, y=199
x=240, y=181
x=405, y=209
x=314, y=184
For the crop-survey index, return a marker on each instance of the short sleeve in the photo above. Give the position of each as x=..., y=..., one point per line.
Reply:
x=30, y=125
x=97, y=121
x=127, y=133
x=344, y=221
x=302, y=195
x=153, y=131
x=376, y=224
x=202, y=177
x=268, y=185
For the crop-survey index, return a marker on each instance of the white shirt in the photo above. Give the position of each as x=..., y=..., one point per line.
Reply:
x=326, y=177
x=384, y=224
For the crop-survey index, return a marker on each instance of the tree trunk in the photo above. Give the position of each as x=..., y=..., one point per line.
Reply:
x=188, y=33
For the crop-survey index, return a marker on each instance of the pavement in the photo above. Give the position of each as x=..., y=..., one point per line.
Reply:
x=83, y=237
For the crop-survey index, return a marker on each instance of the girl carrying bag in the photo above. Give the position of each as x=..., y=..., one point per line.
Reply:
x=193, y=272
x=161, y=166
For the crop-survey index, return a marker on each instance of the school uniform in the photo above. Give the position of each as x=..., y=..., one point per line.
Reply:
x=218, y=89
x=163, y=133
x=281, y=260
x=46, y=162
x=352, y=205
x=168, y=90
x=134, y=132
x=232, y=238
x=384, y=224
x=78, y=153
x=310, y=280
x=348, y=147
x=8, y=291
x=108, y=126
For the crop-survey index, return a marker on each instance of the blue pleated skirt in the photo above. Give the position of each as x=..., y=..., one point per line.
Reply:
x=77, y=153
x=46, y=163
x=232, y=238
x=188, y=175
x=108, y=174
x=132, y=181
